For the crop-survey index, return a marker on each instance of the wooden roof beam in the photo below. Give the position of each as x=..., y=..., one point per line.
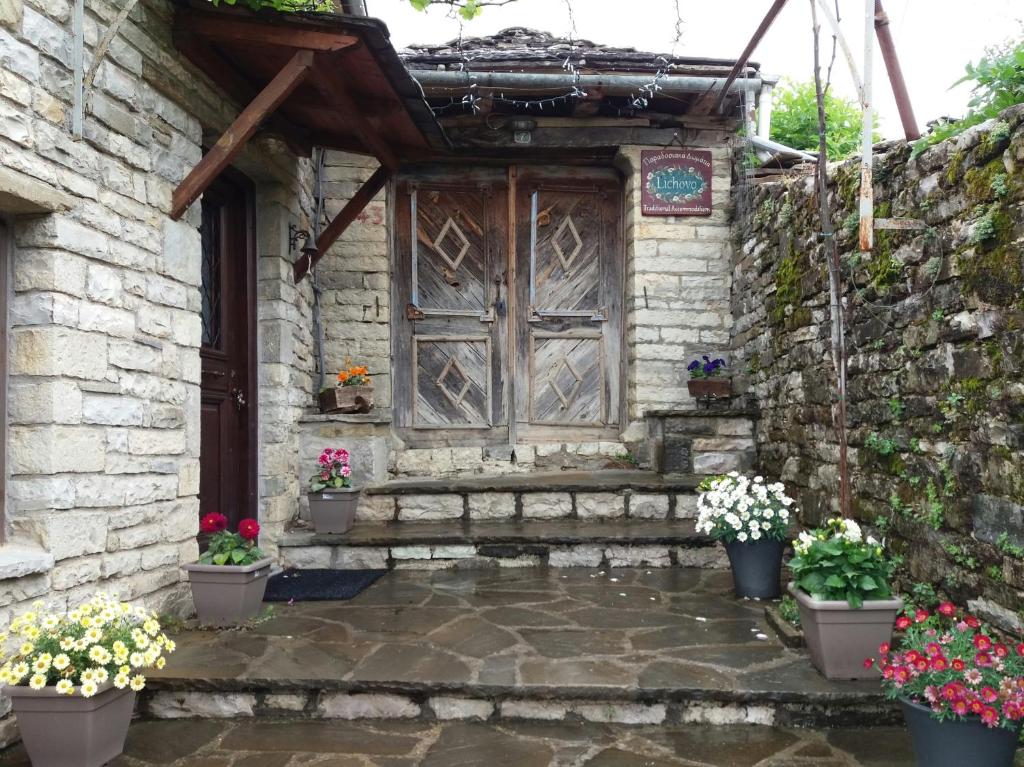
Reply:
x=241, y=130
x=341, y=100
x=223, y=28
x=341, y=222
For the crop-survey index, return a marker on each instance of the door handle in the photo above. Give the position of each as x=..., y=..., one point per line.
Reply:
x=239, y=397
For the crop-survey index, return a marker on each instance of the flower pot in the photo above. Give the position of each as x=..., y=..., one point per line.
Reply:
x=710, y=388
x=346, y=399
x=756, y=566
x=956, y=743
x=226, y=595
x=334, y=511
x=839, y=638
x=69, y=730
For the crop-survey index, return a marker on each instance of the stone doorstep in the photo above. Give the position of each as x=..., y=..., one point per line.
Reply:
x=605, y=480
x=176, y=699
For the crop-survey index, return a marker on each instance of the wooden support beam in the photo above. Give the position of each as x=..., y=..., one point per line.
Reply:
x=341, y=222
x=241, y=130
x=222, y=27
x=237, y=86
x=329, y=82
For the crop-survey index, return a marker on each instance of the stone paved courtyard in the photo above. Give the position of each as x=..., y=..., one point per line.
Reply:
x=634, y=645
x=521, y=744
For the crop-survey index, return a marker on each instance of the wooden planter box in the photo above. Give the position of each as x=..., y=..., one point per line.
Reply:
x=346, y=399
x=710, y=388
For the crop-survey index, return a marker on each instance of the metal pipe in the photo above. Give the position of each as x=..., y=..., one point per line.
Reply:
x=764, y=112
x=741, y=62
x=767, y=145
x=615, y=85
x=892, y=66
x=867, y=202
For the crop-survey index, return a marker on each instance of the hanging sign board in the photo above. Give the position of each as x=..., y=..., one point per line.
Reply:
x=676, y=182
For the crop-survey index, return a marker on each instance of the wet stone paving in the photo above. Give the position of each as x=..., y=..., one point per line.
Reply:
x=205, y=743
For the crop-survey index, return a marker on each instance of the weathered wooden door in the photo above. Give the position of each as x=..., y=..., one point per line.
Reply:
x=508, y=306
x=228, y=410
x=452, y=313
x=568, y=327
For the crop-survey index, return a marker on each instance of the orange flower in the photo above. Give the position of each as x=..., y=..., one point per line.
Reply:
x=342, y=376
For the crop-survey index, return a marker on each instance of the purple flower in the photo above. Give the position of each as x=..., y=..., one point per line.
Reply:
x=693, y=365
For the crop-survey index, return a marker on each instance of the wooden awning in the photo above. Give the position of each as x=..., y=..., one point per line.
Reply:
x=313, y=79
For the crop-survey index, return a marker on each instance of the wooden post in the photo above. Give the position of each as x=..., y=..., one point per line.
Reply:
x=241, y=130
x=341, y=222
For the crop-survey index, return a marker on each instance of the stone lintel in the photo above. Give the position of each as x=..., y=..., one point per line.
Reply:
x=22, y=195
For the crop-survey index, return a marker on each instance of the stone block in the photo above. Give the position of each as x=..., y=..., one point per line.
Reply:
x=307, y=557
x=58, y=401
x=447, y=708
x=342, y=705
x=360, y=558
x=201, y=705
x=638, y=556
x=379, y=508
x=294, y=702
x=686, y=506
x=576, y=556
x=621, y=713
x=421, y=508
x=45, y=449
x=648, y=506
x=491, y=505
x=410, y=552
x=452, y=552
x=532, y=709
x=57, y=351
x=705, y=557
x=717, y=463
x=547, y=505
x=726, y=713
x=600, y=505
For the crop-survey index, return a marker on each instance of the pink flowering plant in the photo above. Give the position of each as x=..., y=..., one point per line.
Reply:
x=333, y=472
x=952, y=663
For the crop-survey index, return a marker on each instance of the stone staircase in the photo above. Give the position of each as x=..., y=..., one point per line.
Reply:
x=615, y=518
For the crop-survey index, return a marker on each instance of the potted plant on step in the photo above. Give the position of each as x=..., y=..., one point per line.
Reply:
x=230, y=578
x=353, y=392
x=752, y=519
x=960, y=687
x=332, y=498
x=841, y=582
x=708, y=380
x=72, y=677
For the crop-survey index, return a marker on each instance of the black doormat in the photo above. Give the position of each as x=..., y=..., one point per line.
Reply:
x=319, y=585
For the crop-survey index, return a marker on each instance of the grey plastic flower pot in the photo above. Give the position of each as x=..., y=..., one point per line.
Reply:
x=958, y=743
x=755, y=567
x=226, y=595
x=839, y=638
x=69, y=730
x=334, y=511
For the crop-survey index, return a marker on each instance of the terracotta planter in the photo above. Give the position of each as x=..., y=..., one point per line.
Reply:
x=347, y=399
x=226, y=595
x=957, y=743
x=710, y=388
x=839, y=638
x=334, y=511
x=756, y=566
x=69, y=730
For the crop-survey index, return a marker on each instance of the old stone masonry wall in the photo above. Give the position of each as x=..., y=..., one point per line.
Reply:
x=936, y=336
x=105, y=318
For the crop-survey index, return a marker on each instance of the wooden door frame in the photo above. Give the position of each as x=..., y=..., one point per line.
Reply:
x=235, y=182
x=512, y=168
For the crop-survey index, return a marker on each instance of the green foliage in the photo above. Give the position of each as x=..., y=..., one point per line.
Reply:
x=998, y=79
x=795, y=120
x=836, y=563
x=881, y=445
x=934, y=510
x=897, y=408
x=1011, y=549
x=961, y=556
x=230, y=549
x=922, y=595
x=288, y=6
x=790, y=611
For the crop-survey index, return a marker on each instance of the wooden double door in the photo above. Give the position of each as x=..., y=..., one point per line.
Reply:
x=508, y=306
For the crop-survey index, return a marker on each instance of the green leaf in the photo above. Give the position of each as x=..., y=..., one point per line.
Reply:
x=868, y=583
x=238, y=555
x=854, y=599
x=835, y=582
x=221, y=558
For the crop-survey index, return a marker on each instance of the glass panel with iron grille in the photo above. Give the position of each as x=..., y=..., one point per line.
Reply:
x=211, y=273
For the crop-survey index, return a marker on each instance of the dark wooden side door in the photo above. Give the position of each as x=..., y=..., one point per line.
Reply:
x=227, y=481
x=568, y=325
x=451, y=240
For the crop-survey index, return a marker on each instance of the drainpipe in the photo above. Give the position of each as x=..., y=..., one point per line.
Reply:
x=764, y=112
x=867, y=202
x=892, y=66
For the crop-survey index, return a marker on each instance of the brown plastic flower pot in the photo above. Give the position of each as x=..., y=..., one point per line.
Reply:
x=226, y=595
x=840, y=638
x=710, y=388
x=69, y=730
x=334, y=511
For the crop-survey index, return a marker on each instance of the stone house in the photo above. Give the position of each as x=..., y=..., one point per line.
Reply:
x=522, y=319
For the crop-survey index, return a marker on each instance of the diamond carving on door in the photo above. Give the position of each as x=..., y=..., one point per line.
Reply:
x=479, y=361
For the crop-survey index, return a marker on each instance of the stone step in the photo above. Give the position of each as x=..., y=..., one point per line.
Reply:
x=509, y=543
x=636, y=646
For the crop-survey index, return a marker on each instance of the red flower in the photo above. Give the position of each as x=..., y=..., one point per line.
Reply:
x=971, y=621
x=989, y=695
x=939, y=663
x=960, y=707
x=921, y=616
x=921, y=664
x=983, y=659
x=957, y=664
x=1020, y=649
x=1001, y=650
x=990, y=716
x=982, y=642
x=883, y=648
x=947, y=608
x=976, y=706
x=249, y=529
x=933, y=649
x=902, y=623
x=950, y=691
x=214, y=522
x=869, y=662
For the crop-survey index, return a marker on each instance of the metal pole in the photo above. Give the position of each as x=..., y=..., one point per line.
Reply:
x=892, y=66
x=867, y=203
x=741, y=62
x=78, y=67
x=764, y=113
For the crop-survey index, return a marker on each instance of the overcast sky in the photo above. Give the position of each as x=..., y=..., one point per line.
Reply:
x=934, y=38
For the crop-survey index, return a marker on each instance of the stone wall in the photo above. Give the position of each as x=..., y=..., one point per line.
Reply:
x=936, y=337
x=105, y=314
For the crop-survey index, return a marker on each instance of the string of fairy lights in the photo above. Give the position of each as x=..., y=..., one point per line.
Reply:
x=638, y=100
